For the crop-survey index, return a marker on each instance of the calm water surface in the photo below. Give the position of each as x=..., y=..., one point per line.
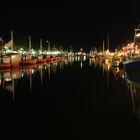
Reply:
x=67, y=98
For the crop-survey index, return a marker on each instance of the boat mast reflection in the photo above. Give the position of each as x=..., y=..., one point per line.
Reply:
x=9, y=78
x=29, y=71
x=105, y=70
x=8, y=81
x=40, y=68
x=49, y=71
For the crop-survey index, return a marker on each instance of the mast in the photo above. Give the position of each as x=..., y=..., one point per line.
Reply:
x=41, y=45
x=30, y=45
x=49, y=46
x=12, y=39
x=108, y=41
x=103, y=46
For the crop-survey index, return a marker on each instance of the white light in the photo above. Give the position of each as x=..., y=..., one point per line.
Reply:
x=8, y=79
x=14, y=76
x=138, y=35
x=84, y=57
x=13, y=56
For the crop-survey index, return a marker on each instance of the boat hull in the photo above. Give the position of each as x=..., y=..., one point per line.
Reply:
x=10, y=61
x=27, y=62
x=40, y=61
x=131, y=66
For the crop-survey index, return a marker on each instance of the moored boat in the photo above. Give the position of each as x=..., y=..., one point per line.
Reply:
x=8, y=57
x=29, y=59
x=40, y=56
x=133, y=63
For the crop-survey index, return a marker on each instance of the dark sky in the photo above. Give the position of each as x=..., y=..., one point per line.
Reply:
x=81, y=24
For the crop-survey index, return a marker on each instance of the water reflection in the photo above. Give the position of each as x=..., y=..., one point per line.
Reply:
x=130, y=81
x=33, y=75
x=40, y=69
x=38, y=74
x=8, y=81
x=93, y=61
x=133, y=85
x=117, y=72
x=41, y=97
x=49, y=71
x=105, y=70
x=81, y=64
x=70, y=59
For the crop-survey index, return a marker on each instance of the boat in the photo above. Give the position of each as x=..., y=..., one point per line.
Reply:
x=133, y=64
x=8, y=57
x=29, y=59
x=27, y=62
x=40, y=56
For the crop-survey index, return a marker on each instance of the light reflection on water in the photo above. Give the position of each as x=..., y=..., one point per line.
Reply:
x=9, y=78
x=129, y=82
x=133, y=85
x=25, y=87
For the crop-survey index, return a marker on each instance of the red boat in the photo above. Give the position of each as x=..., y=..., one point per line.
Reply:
x=41, y=58
x=49, y=59
x=27, y=62
x=8, y=65
x=40, y=61
x=10, y=60
x=5, y=65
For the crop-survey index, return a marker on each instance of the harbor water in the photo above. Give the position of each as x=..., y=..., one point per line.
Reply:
x=71, y=97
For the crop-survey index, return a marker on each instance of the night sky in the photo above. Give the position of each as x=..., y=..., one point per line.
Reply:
x=80, y=24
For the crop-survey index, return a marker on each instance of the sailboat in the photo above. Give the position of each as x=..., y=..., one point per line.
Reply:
x=49, y=58
x=40, y=58
x=106, y=56
x=29, y=60
x=9, y=58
